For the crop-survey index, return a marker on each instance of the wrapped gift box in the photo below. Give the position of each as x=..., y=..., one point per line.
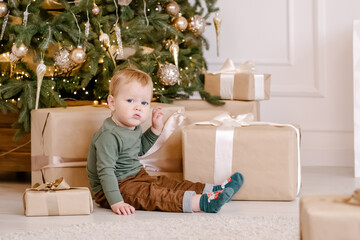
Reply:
x=241, y=83
x=238, y=86
x=56, y=202
x=233, y=107
x=329, y=217
x=63, y=135
x=267, y=156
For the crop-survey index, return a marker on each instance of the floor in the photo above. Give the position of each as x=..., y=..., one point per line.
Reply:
x=315, y=180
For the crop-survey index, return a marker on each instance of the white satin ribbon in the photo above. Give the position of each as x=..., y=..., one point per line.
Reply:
x=227, y=86
x=259, y=83
x=223, y=148
x=173, y=122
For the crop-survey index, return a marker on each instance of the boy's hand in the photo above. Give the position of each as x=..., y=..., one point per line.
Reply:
x=157, y=121
x=122, y=208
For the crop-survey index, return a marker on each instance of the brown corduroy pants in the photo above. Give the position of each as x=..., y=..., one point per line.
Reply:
x=146, y=192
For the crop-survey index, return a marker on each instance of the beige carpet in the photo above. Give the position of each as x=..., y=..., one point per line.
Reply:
x=190, y=226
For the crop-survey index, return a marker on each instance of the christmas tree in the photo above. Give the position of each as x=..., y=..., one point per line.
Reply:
x=66, y=49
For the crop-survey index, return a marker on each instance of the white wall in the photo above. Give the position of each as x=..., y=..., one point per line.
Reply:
x=307, y=47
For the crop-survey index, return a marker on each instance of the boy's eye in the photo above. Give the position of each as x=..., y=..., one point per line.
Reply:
x=130, y=100
x=144, y=103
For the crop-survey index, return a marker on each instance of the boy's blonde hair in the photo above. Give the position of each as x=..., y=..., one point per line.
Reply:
x=128, y=75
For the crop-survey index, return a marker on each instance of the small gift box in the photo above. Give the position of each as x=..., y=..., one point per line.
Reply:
x=267, y=154
x=330, y=217
x=240, y=83
x=56, y=199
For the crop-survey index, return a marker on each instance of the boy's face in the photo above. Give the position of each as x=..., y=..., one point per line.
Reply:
x=131, y=105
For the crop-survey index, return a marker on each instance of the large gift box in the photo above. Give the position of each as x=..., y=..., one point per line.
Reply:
x=266, y=154
x=238, y=83
x=62, y=136
x=330, y=217
x=57, y=198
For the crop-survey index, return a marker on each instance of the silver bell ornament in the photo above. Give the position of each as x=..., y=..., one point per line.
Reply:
x=3, y=8
x=168, y=74
x=62, y=60
x=124, y=2
x=78, y=55
x=197, y=25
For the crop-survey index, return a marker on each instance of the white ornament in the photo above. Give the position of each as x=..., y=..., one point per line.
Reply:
x=40, y=72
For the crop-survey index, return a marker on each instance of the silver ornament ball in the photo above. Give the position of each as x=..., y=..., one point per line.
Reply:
x=3, y=9
x=172, y=8
x=78, y=55
x=124, y=2
x=20, y=51
x=197, y=25
x=168, y=74
x=62, y=60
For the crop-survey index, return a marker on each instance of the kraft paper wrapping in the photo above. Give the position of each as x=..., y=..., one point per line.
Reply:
x=267, y=156
x=73, y=201
x=56, y=198
x=327, y=217
x=244, y=86
x=63, y=135
x=233, y=107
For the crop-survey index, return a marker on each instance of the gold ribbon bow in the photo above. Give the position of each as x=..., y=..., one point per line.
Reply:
x=229, y=67
x=59, y=184
x=354, y=199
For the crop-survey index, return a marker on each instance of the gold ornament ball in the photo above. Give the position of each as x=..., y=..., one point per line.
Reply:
x=20, y=51
x=3, y=9
x=78, y=55
x=124, y=2
x=180, y=23
x=197, y=25
x=168, y=74
x=172, y=8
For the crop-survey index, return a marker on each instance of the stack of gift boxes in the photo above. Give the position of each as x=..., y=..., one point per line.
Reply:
x=200, y=142
x=195, y=144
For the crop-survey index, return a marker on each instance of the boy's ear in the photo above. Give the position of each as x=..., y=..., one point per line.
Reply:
x=111, y=102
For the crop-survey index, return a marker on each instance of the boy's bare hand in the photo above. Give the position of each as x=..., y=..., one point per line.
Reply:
x=122, y=208
x=157, y=121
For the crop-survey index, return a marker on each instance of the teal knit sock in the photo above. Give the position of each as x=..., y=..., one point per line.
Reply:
x=234, y=182
x=212, y=202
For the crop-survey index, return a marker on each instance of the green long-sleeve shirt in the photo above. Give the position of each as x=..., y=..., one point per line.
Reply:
x=113, y=156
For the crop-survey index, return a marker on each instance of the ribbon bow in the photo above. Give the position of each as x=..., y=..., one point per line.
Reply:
x=59, y=184
x=229, y=67
x=354, y=199
x=224, y=119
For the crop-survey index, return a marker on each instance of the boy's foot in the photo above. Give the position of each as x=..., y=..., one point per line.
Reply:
x=234, y=182
x=212, y=202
